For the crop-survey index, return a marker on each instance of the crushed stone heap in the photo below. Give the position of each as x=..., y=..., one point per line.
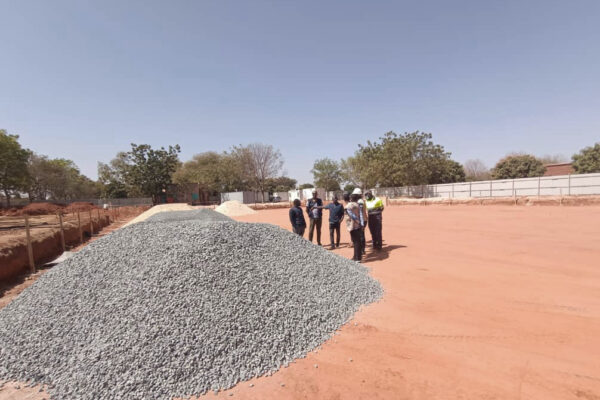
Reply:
x=174, y=309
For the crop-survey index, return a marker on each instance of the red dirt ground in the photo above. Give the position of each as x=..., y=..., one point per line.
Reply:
x=494, y=302
x=48, y=209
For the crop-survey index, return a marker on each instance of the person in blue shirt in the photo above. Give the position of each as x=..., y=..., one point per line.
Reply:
x=315, y=214
x=336, y=215
x=297, y=218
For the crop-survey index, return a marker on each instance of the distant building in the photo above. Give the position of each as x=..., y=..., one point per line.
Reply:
x=558, y=169
x=304, y=194
x=246, y=197
x=189, y=193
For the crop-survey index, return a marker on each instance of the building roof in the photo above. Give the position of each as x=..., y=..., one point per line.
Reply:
x=558, y=169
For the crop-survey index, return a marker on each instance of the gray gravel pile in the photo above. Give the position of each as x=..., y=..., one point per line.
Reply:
x=160, y=310
x=202, y=214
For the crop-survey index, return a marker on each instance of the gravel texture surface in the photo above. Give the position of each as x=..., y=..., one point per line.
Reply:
x=161, y=310
x=203, y=214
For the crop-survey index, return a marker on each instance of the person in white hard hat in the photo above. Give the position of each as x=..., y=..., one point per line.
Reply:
x=363, y=211
x=354, y=225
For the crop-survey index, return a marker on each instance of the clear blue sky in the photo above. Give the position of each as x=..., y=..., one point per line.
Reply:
x=83, y=79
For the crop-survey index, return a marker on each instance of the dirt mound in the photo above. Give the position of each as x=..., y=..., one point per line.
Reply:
x=39, y=209
x=234, y=208
x=80, y=206
x=8, y=211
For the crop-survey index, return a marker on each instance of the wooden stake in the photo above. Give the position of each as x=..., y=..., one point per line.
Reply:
x=91, y=224
x=79, y=225
x=62, y=232
x=29, y=247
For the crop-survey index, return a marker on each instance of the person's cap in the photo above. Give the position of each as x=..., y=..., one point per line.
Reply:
x=314, y=191
x=357, y=191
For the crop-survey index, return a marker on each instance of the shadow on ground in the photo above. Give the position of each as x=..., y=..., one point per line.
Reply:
x=382, y=254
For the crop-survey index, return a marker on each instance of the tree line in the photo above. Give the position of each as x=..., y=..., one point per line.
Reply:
x=413, y=159
x=144, y=171
x=23, y=171
x=393, y=160
x=140, y=172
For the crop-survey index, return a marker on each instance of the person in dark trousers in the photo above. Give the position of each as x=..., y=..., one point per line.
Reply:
x=363, y=211
x=336, y=215
x=354, y=225
x=315, y=214
x=375, y=210
x=297, y=218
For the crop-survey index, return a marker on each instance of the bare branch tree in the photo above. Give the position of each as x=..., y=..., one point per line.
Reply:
x=476, y=170
x=553, y=159
x=260, y=162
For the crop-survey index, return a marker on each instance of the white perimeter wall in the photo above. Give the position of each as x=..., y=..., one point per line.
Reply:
x=562, y=185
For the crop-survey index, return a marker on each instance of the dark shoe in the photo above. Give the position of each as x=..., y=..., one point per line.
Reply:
x=337, y=245
x=332, y=247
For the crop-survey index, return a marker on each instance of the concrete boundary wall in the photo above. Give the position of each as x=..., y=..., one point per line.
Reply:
x=562, y=185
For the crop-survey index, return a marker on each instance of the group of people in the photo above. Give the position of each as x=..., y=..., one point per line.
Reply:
x=360, y=215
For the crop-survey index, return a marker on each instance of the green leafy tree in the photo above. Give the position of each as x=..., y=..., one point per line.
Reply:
x=281, y=184
x=518, y=166
x=14, y=175
x=587, y=160
x=212, y=172
x=58, y=179
x=449, y=171
x=358, y=171
x=150, y=170
x=306, y=186
x=349, y=188
x=112, y=187
x=115, y=178
x=403, y=160
x=327, y=174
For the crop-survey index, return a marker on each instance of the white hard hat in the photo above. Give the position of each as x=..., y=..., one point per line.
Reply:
x=357, y=191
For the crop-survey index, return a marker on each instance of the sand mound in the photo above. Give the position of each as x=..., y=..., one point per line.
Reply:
x=234, y=208
x=160, y=208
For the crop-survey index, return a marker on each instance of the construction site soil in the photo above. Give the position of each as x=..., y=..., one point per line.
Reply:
x=45, y=236
x=494, y=302
x=47, y=208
